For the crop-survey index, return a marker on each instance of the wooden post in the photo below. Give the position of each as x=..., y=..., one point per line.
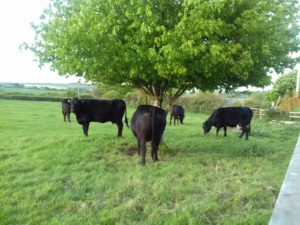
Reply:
x=260, y=114
x=78, y=89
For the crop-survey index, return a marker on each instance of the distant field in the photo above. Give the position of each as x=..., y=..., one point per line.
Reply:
x=51, y=174
x=33, y=91
x=37, y=89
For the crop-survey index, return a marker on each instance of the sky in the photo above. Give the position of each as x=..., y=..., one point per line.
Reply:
x=17, y=66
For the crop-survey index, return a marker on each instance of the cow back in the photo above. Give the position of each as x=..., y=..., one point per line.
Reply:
x=148, y=122
x=231, y=116
x=102, y=110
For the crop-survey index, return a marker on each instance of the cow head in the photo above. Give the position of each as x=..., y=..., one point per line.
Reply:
x=206, y=127
x=75, y=105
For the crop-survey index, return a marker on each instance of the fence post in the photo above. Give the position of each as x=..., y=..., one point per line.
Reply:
x=260, y=114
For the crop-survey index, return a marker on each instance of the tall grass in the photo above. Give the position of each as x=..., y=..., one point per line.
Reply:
x=51, y=174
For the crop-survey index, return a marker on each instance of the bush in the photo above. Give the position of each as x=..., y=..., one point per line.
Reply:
x=86, y=95
x=106, y=91
x=277, y=114
x=257, y=100
x=289, y=103
x=112, y=94
x=71, y=93
x=137, y=97
x=202, y=102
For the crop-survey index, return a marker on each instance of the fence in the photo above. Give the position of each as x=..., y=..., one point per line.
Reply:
x=262, y=112
x=295, y=115
x=259, y=112
x=286, y=210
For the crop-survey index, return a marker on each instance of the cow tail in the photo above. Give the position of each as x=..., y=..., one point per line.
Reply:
x=153, y=126
x=126, y=120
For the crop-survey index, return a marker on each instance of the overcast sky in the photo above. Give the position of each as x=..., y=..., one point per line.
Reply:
x=16, y=65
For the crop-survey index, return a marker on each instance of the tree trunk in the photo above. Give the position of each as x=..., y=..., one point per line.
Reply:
x=157, y=101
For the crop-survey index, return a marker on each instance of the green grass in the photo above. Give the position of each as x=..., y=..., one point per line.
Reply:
x=51, y=174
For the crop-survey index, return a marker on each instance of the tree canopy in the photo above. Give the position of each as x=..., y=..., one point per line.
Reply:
x=169, y=46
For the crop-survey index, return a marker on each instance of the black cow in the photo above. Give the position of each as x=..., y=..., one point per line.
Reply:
x=92, y=110
x=66, y=109
x=229, y=117
x=177, y=111
x=148, y=124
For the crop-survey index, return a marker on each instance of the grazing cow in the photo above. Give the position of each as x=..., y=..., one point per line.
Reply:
x=66, y=109
x=177, y=111
x=229, y=117
x=92, y=110
x=148, y=124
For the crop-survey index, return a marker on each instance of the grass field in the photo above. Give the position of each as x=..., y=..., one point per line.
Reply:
x=51, y=174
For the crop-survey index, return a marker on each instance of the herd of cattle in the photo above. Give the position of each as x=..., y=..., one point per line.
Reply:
x=149, y=122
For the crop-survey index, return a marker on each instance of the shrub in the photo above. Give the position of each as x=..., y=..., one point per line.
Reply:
x=202, y=102
x=71, y=93
x=257, y=100
x=277, y=114
x=289, y=103
x=112, y=94
x=137, y=97
x=87, y=96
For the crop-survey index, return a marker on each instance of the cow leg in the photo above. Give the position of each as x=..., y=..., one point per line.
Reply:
x=139, y=147
x=64, y=117
x=225, y=131
x=218, y=129
x=85, y=128
x=181, y=120
x=69, y=118
x=243, y=131
x=247, y=132
x=154, y=149
x=120, y=128
x=171, y=120
x=143, y=150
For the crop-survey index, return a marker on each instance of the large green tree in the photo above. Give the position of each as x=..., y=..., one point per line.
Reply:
x=168, y=46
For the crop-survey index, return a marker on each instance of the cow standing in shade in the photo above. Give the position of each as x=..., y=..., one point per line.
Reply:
x=177, y=113
x=91, y=110
x=66, y=109
x=148, y=124
x=229, y=117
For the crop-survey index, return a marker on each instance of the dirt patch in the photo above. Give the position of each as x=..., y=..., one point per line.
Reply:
x=132, y=150
x=129, y=150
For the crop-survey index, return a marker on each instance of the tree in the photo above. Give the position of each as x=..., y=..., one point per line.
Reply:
x=166, y=47
x=284, y=85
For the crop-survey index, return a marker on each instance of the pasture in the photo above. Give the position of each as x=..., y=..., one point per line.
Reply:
x=51, y=174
